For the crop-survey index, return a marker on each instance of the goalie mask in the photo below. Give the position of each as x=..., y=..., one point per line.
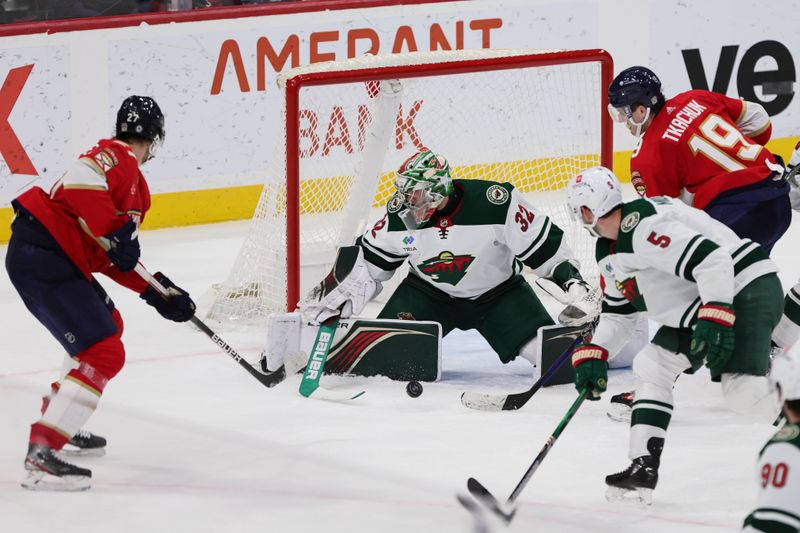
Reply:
x=140, y=117
x=424, y=182
x=596, y=189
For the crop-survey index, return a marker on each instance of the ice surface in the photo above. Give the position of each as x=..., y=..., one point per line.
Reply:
x=197, y=445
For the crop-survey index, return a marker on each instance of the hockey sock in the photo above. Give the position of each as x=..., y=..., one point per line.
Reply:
x=68, y=364
x=70, y=407
x=649, y=419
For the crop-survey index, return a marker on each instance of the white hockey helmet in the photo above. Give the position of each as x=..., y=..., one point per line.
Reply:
x=598, y=190
x=785, y=372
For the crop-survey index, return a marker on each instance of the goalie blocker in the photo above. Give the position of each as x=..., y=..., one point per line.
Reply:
x=401, y=350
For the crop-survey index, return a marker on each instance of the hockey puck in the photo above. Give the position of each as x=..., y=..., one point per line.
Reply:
x=414, y=389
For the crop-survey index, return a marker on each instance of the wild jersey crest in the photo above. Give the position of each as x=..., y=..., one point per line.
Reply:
x=497, y=194
x=446, y=267
x=630, y=290
x=629, y=222
x=787, y=433
x=395, y=204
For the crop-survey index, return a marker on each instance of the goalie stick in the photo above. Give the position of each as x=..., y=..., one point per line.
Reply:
x=508, y=510
x=512, y=402
x=309, y=385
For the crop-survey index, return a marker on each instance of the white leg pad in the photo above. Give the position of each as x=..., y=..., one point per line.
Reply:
x=283, y=338
x=746, y=394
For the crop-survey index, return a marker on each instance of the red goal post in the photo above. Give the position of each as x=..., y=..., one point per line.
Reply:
x=466, y=71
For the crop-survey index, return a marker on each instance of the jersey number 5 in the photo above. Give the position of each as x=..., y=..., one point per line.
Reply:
x=659, y=240
x=723, y=143
x=775, y=476
x=524, y=217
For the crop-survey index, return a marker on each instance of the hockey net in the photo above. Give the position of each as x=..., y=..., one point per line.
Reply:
x=532, y=118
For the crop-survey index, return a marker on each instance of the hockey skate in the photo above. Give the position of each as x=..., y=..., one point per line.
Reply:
x=84, y=444
x=46, y=471
x=621, y=406
x=641, y=476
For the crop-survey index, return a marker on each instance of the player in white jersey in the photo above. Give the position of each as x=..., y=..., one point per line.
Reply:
x=788, y=331
x=778, y=465
x=716, y=295
x=466, y=242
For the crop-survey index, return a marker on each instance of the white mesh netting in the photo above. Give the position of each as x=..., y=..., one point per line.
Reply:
x=533, y=126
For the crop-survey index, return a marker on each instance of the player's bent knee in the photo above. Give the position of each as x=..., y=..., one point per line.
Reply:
x=746, y=394
x=107, y=356
x=657, y=366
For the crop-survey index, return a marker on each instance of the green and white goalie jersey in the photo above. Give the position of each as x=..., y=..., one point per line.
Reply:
x=478, y=241
x=668, y=260
x=778, y=475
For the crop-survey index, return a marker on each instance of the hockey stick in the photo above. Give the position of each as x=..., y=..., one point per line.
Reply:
x=309, y=385
x=267, y=379
x=506, y=511
x=512, y=402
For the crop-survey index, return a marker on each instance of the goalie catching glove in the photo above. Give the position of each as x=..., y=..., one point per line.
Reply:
x=348, y=287
x=581, y=299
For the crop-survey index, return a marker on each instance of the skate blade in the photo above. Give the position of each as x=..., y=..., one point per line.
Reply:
x=641, y=496
x=68, y=451
x=619, y=413
x=39, y=480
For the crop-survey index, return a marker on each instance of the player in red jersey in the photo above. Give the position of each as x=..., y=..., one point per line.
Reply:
x=708, y=150
x=88, y=223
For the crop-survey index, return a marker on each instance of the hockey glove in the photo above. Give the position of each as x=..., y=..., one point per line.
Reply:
x=176, y=305
x=344, y=291
x=581, y=299
x=123, y=249
x=713, y=335
x=591, y=369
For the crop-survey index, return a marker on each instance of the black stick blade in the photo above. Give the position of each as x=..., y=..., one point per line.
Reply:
x=488, y=499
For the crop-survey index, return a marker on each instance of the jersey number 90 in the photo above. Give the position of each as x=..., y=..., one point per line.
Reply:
x=775, y=476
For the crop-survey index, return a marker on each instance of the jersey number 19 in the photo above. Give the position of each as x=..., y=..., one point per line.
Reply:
x=723, y=143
